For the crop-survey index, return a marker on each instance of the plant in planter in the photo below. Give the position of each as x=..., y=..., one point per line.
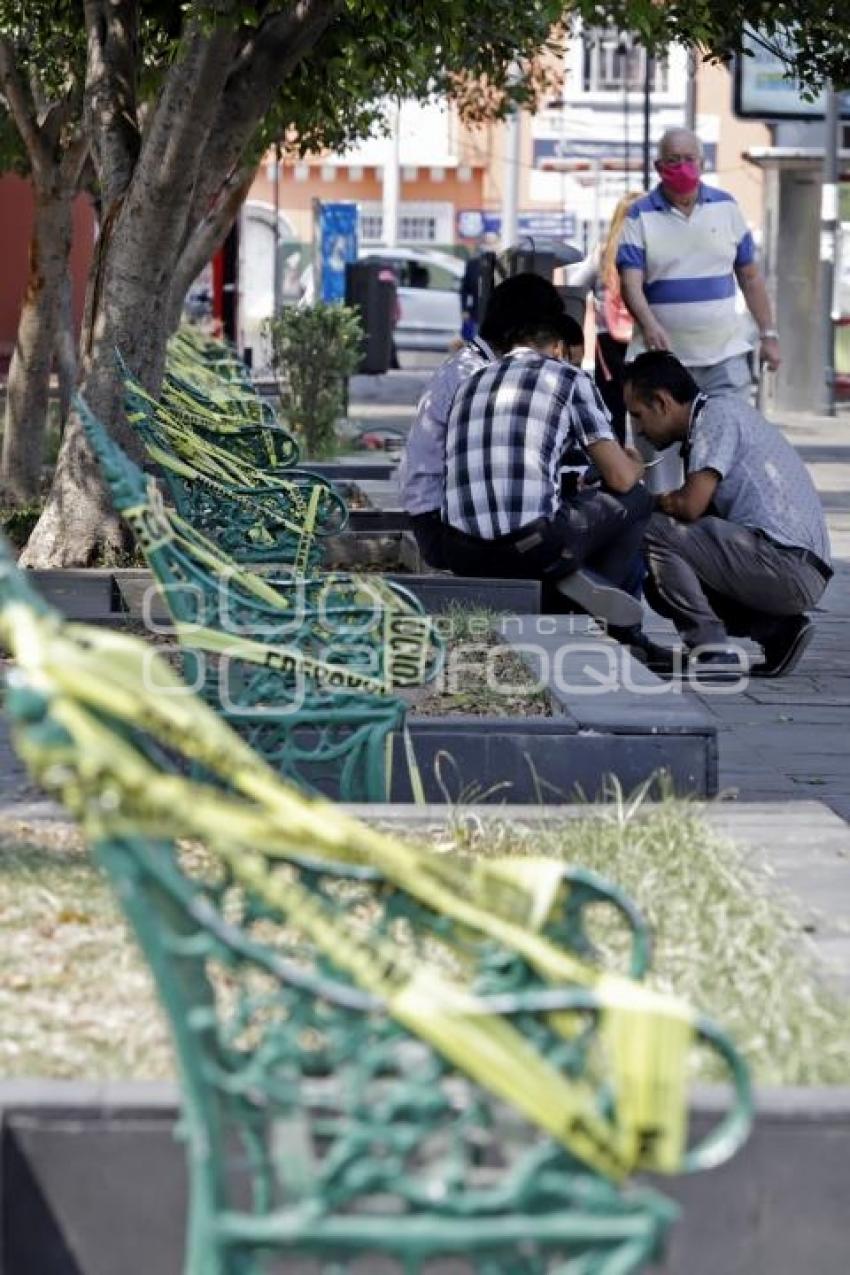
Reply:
x=314, y=351
x=17, y=522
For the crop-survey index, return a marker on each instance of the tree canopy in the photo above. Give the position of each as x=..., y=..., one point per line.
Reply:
x=819, y=30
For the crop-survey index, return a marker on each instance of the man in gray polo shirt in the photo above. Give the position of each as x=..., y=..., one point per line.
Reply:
x=741, y=548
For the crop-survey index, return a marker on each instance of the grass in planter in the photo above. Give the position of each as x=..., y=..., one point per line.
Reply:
x=481, y=674
x=76, y=999
x=723, y=938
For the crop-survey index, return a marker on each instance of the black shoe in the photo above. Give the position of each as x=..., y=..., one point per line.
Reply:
x=784, y=651
x=719, y=665
x=664, y=660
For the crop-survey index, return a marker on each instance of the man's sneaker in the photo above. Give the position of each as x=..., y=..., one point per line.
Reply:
x=599, y=598
x=664, y=660
x=784, y=651
x=718, y=665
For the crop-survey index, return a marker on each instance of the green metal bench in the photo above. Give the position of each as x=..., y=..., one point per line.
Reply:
x=303, y=668
x=390, y=1059
x=356, y=622
x=205, y=382
x=255, y=516
x=241, y=423
x=209, y=357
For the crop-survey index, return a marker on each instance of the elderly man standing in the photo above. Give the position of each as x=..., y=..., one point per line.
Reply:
x=683, y=247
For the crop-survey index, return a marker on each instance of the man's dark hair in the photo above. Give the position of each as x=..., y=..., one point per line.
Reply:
x=533, y=332
x=660, y=370
x=570, y=330
x=520, y=300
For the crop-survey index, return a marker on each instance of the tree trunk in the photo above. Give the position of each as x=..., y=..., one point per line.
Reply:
x=128, y=304
x=152, y=208
x=125, y=310
x=65, y=352
x=29, y=372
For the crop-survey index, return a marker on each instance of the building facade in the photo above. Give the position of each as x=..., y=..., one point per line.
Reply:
x=574, y=159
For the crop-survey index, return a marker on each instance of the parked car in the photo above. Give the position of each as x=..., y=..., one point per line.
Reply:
x=428, y=292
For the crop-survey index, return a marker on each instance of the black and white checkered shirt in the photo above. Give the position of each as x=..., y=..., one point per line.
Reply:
x=508, y=427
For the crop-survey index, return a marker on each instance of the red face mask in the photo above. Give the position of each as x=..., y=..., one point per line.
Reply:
x=682, y=179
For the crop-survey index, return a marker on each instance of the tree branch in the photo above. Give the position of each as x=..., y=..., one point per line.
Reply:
x=56, y=118
x=177, y=132
x=18, y=94
x=278, y=45
x=208, y=235
x=74, y=159
x=111, y=72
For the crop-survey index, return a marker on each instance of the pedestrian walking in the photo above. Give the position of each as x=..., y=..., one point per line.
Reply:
x=683, y=248
x=741, y=549
x=613, y=320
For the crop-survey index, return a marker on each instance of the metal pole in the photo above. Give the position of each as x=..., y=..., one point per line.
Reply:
x=627, y=178
x=392, y=181
x=276, y=279
x=647, y=103
x=828, y=243
x=510, y=180
x=691, y=92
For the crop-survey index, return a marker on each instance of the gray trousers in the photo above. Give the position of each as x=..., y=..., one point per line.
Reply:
x=730, y=376
x=714, y=578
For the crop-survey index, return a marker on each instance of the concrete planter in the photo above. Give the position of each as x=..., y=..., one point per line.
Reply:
x=558, y=759
x=351, y=470
x=611, y=720
x=109, y=593
x=92, y=1182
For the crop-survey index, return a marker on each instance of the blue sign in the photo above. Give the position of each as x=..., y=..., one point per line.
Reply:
x=548, y=151
x=337, y=246
x=472, y=223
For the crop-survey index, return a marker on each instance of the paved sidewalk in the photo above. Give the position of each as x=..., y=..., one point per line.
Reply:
x=786, y=739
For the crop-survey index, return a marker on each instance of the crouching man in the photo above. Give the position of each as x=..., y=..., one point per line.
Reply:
x=510, y=424
x=741, y=549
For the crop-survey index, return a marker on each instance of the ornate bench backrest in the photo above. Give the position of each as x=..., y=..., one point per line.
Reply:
x=386, y=1042
x=272, y=517
x=304, y=669
x=243, y=424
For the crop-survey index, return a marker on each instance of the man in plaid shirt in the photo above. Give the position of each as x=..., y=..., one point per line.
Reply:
x=510, y=423
x=522, y=297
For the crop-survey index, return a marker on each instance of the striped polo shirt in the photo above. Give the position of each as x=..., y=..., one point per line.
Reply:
x=689, y=264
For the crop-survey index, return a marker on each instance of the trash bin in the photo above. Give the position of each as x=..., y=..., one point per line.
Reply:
x=375, y=299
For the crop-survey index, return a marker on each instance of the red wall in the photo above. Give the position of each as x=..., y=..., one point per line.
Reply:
x=15, y=229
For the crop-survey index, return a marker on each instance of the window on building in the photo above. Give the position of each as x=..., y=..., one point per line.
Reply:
x=417, y=229
x=612, y=61
x=371, y=227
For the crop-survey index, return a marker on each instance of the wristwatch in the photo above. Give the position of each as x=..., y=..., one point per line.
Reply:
x=769, y=334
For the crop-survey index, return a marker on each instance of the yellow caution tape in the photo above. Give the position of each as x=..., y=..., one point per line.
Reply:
x=408, y=634
x=285, y=659
x=308, y=532
x=645, y=1034
x=648, y=1037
